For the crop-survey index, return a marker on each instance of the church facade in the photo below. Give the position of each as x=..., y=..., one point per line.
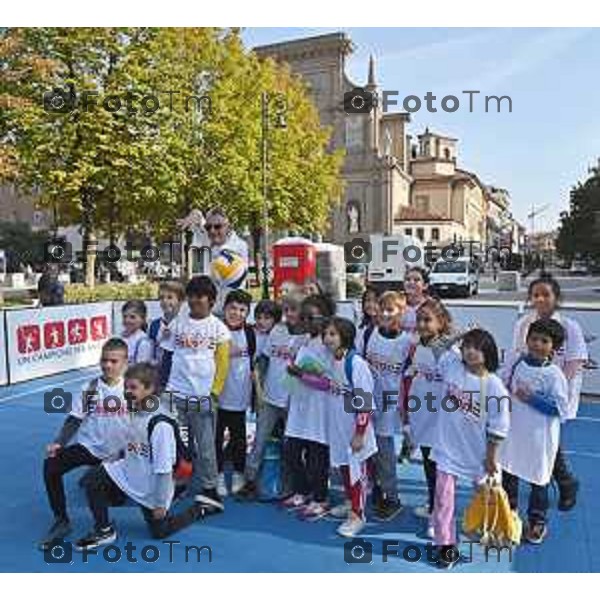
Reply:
x=376, y=175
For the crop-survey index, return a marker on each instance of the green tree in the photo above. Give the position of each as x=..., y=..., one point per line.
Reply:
x=579, y=230
x=137, y=170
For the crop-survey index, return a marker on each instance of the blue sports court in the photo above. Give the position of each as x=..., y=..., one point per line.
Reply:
x=263, y=537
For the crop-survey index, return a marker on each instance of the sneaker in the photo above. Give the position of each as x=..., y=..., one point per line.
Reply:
x=448, y=557
x=294, y=502
x=405, y=452
x=429, y=532
x=387, y=510
x=567, y=496
x=237, y=482
x=59, y=530
x=376, y=497
x=422, y=512
x=352, y=526
x=314, y=511
x=341, y=511
x=222, y=486
x=98, y=537
x=248, y=493
x=210, y=499
x=535, y=533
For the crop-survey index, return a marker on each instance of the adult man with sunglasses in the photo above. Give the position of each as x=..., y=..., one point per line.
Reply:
x=214, y=232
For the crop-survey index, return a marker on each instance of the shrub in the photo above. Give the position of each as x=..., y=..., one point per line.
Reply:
x=78, y=293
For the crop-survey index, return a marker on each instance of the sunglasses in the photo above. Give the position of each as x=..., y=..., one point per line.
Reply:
x=215, y=226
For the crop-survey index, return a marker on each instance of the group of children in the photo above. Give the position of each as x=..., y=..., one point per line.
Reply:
x=341, y=395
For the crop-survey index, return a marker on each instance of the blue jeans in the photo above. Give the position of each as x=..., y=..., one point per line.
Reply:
x=200, y=424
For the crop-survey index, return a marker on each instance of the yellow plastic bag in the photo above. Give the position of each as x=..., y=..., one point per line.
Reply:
x=490, y=517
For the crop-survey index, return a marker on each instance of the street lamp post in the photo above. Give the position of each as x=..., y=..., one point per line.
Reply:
x=279, y=123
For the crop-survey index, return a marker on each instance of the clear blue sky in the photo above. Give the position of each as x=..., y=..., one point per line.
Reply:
x=540, y=149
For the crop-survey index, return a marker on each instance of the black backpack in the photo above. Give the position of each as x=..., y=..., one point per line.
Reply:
x=182, y=467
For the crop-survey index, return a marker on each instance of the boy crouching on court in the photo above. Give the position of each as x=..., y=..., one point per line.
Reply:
x=145, y=475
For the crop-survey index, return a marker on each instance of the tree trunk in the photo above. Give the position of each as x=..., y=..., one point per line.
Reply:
x=90, y=244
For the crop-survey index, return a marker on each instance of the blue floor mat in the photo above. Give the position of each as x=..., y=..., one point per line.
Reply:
x=263, y=537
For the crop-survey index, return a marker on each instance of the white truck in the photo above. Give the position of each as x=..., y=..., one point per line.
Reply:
x=391, y=255
x=455, y=277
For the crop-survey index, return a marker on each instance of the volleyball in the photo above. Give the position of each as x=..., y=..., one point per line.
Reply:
x=229, y=269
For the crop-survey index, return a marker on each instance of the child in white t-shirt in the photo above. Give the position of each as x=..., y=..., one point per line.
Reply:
x=430, y=360
x=350, y=433
x=278, y=353
x=99, y=423
x=171, y=295
x=544, y=294
x=474, y=420
x=200, y=345
x=416, y=282
x=236, y=397
x=145, y=474
x=140, y=347
x=540, y=402
x=368, y=321
x=307, y=453
x=387, y=352
x=267, y=314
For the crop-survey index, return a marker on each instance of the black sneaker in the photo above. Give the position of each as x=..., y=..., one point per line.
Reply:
x=98, y=537
x=387, y=510
x=248, y=493
x=59, y=530
x=536, y=533
x=567, y=495
x=448, y=557
x=404, y=452
x=376, y=497
x=211, y=501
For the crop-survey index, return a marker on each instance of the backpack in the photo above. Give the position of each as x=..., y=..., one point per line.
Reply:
x=367, y=333
x=182, y=468
x=348, y=366
x=166, y=356
x=251, y=344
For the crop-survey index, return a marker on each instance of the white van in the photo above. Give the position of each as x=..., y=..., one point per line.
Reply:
x=391, y=255
x=458, y=277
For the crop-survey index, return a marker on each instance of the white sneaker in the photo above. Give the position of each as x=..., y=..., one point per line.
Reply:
x=429, y=533
x=341, y=511
x=351, y=527
x=222, y=486
x=422, y=512
x=314, y=511
x=237, y=482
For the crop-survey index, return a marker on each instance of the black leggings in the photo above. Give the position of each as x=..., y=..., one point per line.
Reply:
x=308, y=464
x=235, y=421
x=103, y=492
x=66, y=459
x=430, y=471
x=538, y=497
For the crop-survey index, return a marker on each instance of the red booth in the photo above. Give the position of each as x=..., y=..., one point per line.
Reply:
x=294, y=261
